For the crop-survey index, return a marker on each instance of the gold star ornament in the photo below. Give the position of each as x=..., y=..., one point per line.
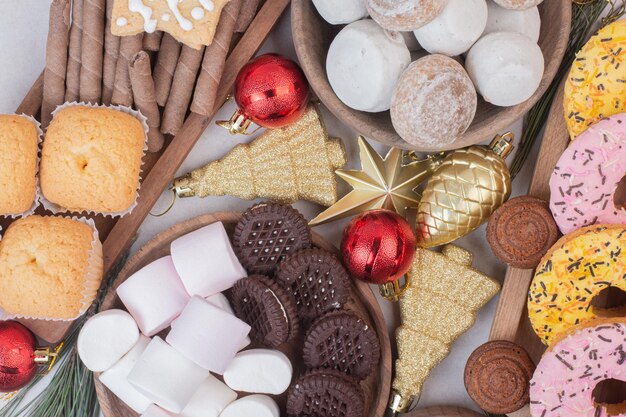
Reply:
x=382, y=183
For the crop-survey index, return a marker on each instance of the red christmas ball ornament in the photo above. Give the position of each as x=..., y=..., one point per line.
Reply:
x=378, y=246
x=17, y=356
x=271, y=91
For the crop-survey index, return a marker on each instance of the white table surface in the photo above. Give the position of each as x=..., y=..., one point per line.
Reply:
x=23, y=30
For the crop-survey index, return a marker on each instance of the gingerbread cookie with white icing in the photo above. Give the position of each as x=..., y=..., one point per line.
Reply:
x=191, y=22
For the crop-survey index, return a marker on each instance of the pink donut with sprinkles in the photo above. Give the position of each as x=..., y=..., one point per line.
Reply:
x=563, y=383
x=584, y=181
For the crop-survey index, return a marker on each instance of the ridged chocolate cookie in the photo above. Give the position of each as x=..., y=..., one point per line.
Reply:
x=317, y=280
x=266, y=234
x=325, y=393
x=343, y=341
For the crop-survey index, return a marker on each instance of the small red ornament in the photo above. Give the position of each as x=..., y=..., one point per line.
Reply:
x=270, y=91
x=378, y=247
x=17, y=356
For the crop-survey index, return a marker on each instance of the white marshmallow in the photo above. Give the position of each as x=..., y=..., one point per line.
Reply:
x=527, y=22
x=252, y=405
x=209, y=400
x=105, y=338
x=205, y=261
x=207, y=335
x=116, y=378
x=155, y=411
x=341, y=12
x=165, y=376
x=456, y=29
x=364, y=63
x=506, y=67
x=222, y=302
x=154, y=295
x=262, y=371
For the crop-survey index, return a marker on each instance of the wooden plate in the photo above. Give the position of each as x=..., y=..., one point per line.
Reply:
x=376, y=386
x=312, y=36
x=444, y=411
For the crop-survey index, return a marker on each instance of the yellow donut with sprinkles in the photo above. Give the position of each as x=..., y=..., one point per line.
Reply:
x=576, y=269
x=596, y=85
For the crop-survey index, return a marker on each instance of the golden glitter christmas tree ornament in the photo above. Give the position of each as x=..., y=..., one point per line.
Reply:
x=465, y=190
x=439, y=305
x=382, y=183
x=296, y=162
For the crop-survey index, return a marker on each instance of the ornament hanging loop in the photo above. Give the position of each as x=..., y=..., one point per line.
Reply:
x=399, y=404
x=393, y=290
x=47, y=355
x=167, y=210
x=238, y=124
x=502, y=145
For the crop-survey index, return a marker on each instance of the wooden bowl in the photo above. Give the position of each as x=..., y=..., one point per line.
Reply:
x=376, y=386
x=312, y=36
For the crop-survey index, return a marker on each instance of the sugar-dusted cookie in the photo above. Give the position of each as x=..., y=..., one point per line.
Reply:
x=404, y=14
x=518, y=4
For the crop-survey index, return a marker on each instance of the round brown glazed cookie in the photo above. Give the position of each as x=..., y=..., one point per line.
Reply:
x=518, y=4
x=342, y=340
x=317, y=280
x=497, y=377
x=434, y=103
x=325, y=393
x=268, y=308
x=404, y=15
x=266, y=234
x=522, y=231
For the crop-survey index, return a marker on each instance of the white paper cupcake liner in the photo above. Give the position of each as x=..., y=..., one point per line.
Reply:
x=55, y=208
x=93, y=278
x=35, y=204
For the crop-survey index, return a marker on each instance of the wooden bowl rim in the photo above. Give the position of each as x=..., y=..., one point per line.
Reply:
x=362, y=290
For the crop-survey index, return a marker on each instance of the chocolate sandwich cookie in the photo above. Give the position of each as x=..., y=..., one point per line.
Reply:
x=497, y=377
x=268, y=308
x=343, y=341
x=325, y=393
x=266, y=234
x=317, y=280
x=521, y=231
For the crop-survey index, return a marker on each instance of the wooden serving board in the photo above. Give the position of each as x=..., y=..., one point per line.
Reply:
x=363, y=301
x=443, y=412
x=158, y=169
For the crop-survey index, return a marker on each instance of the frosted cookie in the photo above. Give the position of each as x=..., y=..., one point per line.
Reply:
x=19, y=144
x=506, y=67
x=587, y=175
x=456, y=29
x=527, y=22
x=261, y=371
x=434, y=103
x=364, y=63
x=595, y=86
x=518, y=4
x=341, y=12
x=404, y=14
x=191, y=22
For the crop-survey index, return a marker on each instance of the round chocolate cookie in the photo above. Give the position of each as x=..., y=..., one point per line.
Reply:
x=497, y=377
x=325, y=393
x=521, y=231
x=266, y=234
x=318, y=281
x=268, y=308
x=342, y=340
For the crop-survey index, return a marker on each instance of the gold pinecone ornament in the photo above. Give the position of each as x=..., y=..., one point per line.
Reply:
x=465, y=190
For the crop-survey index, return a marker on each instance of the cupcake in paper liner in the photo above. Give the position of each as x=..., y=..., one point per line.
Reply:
x=51, y=268
x=20, y=140
x=91, y=159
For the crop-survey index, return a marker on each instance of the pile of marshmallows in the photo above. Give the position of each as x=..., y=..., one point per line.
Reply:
x=174, y=377
x=433, y=100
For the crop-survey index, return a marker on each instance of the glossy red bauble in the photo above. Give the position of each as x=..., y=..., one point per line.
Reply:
x=378, y=246
x=272, y=91
x=17, y=356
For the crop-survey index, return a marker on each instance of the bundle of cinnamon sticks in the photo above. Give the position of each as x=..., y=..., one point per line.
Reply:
x=152, y=72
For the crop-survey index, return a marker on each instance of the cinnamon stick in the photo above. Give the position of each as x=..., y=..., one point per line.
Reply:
x=92, y=46
x=214, y=60
x=56, y=59
x=182, y=89
x=73, y=62
x=145, y=98
x=248, y=11
x=165, y=67
x=111, y=52
x=122, y=90
x=152, y=41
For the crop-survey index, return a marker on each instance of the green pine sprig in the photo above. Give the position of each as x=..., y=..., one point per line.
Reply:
x=584, y=24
